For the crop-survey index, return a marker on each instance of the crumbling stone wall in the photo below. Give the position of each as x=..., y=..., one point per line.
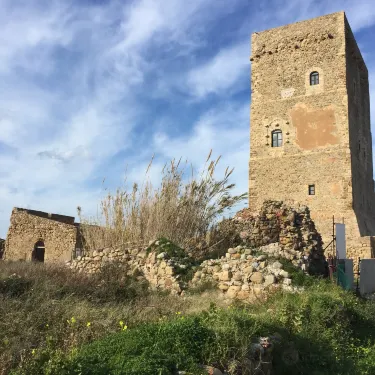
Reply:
x=325, y=127
x=58, y=233
x=244, y=272
x=160, y=269
x=291, y=227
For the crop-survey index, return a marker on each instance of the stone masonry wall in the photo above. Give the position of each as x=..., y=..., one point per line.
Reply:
x=325, y=127
x=244, y=275
x=156, y=266
x=246, y=271
x=26, y=230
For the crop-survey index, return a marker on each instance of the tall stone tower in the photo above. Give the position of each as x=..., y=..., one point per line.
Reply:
x=310, y=127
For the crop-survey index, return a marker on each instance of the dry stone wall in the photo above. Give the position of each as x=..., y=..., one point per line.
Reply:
x=246, y=271
x=244, y=274
x=161, y=270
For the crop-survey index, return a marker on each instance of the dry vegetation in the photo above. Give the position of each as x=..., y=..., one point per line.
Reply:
x=47, y=306
x=180, y=209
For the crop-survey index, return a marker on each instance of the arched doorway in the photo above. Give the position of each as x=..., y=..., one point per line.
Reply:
x=38, y=252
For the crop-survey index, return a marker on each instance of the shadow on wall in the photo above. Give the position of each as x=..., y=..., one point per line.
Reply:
x=372, y=242
x=366, y=223
x=2, y=248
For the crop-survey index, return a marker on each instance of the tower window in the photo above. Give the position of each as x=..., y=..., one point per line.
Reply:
x=314, y=78
x=311, y=189
x=277, y=138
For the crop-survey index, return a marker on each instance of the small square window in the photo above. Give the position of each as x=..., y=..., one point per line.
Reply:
x=311, y=189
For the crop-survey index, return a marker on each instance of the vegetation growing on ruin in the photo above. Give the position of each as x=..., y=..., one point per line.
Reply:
x=181, y=209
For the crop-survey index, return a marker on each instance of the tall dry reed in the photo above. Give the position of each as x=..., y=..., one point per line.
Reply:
x=179, y=210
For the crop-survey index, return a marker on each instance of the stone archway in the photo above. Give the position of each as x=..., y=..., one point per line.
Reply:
x=38, y=252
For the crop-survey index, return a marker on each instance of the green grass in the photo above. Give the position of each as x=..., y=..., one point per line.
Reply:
x=323, y=330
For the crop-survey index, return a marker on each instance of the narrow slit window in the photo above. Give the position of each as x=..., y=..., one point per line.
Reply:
x=314, y=78
x=277, y=138
x=311, y=189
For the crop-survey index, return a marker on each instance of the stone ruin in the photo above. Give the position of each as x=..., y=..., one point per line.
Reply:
x=291, y=227
x=254, y=265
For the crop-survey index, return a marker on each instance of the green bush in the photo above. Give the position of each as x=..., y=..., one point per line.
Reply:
x=148, y=349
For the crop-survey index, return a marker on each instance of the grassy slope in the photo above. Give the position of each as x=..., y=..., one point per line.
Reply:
x=59, y=324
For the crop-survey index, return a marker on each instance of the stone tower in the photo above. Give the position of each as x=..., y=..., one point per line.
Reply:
x=310, y=127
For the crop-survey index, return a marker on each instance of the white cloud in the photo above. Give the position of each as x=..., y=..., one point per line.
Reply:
x=222, y=72
x=62, y=132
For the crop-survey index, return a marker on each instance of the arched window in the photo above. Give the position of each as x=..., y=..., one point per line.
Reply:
x=277, y=138
x=314, y=78
x=38, y=252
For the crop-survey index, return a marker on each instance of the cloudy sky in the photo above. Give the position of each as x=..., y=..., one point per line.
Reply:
x=90, y=88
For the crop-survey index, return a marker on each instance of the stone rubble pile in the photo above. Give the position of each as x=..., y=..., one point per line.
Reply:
x=243, y=273
x=290, y=227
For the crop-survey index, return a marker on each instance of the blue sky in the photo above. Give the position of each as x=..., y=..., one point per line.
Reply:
x=91, y=87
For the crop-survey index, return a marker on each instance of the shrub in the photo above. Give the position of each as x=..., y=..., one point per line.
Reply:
x=178, y=210
x=148, y=349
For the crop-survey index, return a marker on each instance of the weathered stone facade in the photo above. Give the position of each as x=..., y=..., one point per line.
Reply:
x=326, y=136
x=56, y=233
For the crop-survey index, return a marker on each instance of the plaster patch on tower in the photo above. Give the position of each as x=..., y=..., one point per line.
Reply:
x=314, y=127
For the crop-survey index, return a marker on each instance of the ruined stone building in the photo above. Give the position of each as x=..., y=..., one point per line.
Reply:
x=310, y=126
x=40, y=236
